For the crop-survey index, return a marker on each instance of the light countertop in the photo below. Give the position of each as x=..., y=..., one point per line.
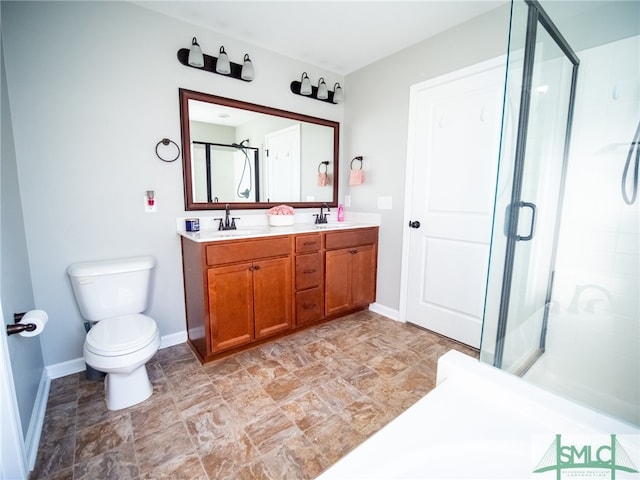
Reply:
x=212, y=235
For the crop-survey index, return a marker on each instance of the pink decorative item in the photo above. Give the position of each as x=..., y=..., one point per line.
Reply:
x=356, y=176
x=323, y=179
x=281, y=210
x=281, y=216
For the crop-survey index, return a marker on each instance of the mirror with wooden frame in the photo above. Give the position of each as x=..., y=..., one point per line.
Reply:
x=252, y=156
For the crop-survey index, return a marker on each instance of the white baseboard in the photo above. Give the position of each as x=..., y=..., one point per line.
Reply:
x=386, y=311
x=63, y=369
x=76, y=365
x=32, y=439
x=173, y=339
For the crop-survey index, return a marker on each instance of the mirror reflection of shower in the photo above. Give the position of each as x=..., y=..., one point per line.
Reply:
x=225, y=172
x=245, y=177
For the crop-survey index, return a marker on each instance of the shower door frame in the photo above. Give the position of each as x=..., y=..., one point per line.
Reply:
x=536, y=16
x=209, y=169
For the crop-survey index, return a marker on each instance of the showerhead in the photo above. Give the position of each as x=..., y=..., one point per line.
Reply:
x=241, y=145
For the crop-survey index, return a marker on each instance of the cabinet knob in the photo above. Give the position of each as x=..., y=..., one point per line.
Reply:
x=353, y=252
x=310, y=271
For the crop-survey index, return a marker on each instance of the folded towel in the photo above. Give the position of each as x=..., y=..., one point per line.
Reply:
x=356, y=177
x=323, y=179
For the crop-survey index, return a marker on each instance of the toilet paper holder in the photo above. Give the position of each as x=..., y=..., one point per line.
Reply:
x=18, y=327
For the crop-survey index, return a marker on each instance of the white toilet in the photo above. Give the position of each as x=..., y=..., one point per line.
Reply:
x=113, y=293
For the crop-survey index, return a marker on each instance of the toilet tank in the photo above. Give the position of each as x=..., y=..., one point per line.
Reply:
x=110, y=288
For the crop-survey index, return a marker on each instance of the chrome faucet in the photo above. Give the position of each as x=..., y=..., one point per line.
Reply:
x=229, y=222
x=322, y=217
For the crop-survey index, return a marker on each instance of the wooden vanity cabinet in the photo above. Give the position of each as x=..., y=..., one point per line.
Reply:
x=239, y=292
x=350, y=269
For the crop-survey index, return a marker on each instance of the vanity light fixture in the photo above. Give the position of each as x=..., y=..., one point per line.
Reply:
x=193, y=57
x=247, y=69
x=196, y=59
x=321, y=92
x=223, y=65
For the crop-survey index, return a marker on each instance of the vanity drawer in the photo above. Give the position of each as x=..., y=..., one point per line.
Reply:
x=308, y=243
x=308, y=271
x=351, y=238
x=309, y=306
x=220, y=253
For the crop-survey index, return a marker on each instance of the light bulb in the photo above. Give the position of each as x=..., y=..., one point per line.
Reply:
x=196, y=59
x=338, y=94
x=323, y=92
x=247, y=69
x=222, y=64
x=305, y=85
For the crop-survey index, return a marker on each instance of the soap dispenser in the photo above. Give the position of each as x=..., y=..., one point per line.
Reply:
x=340, y=213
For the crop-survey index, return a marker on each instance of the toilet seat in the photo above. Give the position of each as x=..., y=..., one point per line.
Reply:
x=121, y=335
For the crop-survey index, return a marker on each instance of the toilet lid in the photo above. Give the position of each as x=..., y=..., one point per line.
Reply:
x=121, y=335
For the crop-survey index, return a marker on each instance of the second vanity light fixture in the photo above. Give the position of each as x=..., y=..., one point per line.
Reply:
x=321, y=92
x=193, y=57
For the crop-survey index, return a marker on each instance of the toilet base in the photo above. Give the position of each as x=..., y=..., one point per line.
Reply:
x=125, y=390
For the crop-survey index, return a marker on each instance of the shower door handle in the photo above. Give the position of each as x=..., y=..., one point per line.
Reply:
x=532, y=228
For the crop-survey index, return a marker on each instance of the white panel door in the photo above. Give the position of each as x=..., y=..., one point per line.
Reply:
x=454, y=137
x=282, y=153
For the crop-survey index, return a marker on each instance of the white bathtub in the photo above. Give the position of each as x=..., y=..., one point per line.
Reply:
x=479, y=422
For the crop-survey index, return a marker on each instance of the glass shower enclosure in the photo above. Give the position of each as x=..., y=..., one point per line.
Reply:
x=562, y=301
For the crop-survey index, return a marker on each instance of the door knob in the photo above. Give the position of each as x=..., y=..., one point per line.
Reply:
x=414, y=224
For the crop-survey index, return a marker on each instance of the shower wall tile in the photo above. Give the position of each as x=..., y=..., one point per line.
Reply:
x=626, y=265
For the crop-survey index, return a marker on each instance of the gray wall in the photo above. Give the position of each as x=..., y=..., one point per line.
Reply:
x=16, y=293
x=93, y=86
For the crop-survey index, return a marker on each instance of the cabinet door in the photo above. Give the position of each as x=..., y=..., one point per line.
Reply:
x=350, y=278
x=230, y=306
x=363, y=275
x=272, y=296
x=337, y=290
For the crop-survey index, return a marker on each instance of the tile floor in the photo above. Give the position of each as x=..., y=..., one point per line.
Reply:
x=287, y=409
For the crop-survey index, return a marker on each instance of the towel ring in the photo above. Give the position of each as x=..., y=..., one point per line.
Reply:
x=321, y=164
x=359, y=159
x=166, y=141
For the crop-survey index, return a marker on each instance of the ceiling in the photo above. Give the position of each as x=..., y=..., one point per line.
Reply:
x=338, y=36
